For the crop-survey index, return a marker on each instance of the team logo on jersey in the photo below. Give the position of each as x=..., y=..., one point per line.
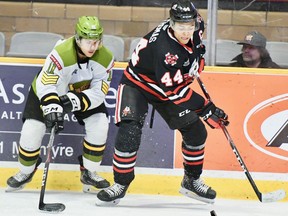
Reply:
x=126, y=111
x=171, y=59
x=80, y=86
x=266, y=127
x=55, y=61
x=51, y=68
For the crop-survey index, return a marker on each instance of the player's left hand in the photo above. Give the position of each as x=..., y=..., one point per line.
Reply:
x=193, y=71
x=70, y=102
x=196, y=68
x=201, y=65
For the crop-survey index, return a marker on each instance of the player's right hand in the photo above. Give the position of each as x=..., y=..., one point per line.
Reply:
x=53, y=116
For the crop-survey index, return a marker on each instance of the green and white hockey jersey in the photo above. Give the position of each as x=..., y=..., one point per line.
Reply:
x=62, y=73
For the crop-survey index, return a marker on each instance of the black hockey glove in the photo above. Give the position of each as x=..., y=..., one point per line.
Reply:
x=201, y=65
x=53, y=116
x=214, y=116
x=202, y=49
x=73, y=101
x=196, y=68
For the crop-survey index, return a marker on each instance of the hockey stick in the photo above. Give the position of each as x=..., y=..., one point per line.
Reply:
x=49, y=207
x=267, y=197
x=152, y=117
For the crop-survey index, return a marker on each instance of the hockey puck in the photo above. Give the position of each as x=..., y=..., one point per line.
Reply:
x=213, y=213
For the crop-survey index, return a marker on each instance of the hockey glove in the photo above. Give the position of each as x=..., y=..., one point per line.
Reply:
x=201, y=65
x=197, y=68
x=214, y=116
x=193, y=71
x=202, y=49
x=73, y=101
x=53, y=116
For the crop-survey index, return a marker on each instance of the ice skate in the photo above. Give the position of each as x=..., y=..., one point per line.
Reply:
x=197, y=189
x=20, y=179
x=91, y=181
x=111, y=196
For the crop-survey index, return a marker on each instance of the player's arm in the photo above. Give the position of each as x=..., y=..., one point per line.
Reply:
x=46, y=89
x=100, y=87
x=184, y=96
x=53, y=112
x=91, y=97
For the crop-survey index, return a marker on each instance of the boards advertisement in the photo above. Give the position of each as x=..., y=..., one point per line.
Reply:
x=15, y=81
x=256, y=103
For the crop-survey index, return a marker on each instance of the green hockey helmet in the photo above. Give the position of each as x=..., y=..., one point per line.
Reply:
x=89, y=27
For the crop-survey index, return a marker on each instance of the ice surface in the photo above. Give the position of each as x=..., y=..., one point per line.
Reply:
x=25, y=203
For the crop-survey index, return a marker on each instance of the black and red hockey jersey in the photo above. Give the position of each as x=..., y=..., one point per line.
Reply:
x=160, y=65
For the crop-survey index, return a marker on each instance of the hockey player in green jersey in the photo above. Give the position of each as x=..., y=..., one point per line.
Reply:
x=75, y=78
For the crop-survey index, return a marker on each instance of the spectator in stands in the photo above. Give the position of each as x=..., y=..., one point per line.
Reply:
x=254, y=53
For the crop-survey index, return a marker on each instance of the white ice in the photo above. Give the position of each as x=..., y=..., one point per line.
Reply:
x=25, y=203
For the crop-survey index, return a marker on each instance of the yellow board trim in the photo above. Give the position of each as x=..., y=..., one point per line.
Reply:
x=150, y=184
x=41, y=61
x=123, y=65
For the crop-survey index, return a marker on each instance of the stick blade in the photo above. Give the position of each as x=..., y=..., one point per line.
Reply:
x=52, y=207
x=273, y=196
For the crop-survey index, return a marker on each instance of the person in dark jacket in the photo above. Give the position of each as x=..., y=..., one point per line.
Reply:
x=254, y=53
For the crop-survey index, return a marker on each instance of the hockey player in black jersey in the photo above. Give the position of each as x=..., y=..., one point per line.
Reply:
x=159, y=73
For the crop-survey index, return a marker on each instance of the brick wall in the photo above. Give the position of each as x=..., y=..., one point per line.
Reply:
x=128, y=22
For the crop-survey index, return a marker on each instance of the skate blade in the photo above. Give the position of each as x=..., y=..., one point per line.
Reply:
x=12, y=189
x=90, y=189
x=192, y=195
x=108, y=204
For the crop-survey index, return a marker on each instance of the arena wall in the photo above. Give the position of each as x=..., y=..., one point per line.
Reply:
x=130, y=21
